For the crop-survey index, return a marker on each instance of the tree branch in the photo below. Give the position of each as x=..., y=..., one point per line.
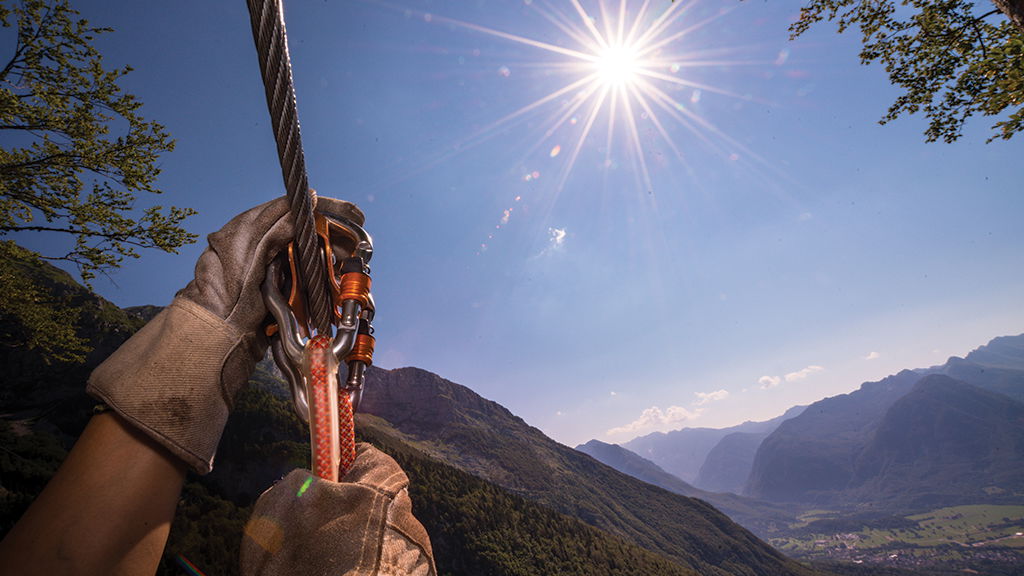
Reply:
x=10, y=168
x=1014, y=10
x=118, y=237
x=25, y=127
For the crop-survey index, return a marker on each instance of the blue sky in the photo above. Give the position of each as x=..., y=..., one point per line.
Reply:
x=758, y=242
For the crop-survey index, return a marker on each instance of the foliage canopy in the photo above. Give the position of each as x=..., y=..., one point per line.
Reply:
x=61, y=168
x=952, y=59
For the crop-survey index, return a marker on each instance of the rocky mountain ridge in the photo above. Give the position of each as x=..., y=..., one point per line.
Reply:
x=451, y=424
x=823, y=455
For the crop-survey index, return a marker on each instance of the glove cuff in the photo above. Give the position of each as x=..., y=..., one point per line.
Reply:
x=176, y=379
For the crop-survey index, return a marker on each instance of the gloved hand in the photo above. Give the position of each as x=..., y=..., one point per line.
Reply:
x=359, y=527
x=176, y=379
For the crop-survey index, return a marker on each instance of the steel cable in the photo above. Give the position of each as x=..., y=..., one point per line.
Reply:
x=268, y=31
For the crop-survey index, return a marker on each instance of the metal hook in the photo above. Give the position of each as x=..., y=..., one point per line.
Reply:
x=286, y=345
x=289, y=343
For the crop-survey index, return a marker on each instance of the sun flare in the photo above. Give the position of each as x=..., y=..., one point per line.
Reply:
x=629, y=76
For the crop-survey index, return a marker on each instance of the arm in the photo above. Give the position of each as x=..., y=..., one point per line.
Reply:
x=108, y=510
x=170, y=387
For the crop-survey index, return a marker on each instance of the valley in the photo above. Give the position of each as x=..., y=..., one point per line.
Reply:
x=958, y=537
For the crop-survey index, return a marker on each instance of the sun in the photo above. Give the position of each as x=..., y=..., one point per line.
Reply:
x=618, y=66
x=628, y=73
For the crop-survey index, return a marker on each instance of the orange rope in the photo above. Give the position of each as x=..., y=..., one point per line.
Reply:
x=333, y=448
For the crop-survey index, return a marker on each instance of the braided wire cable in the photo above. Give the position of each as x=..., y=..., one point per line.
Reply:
x=268, y=31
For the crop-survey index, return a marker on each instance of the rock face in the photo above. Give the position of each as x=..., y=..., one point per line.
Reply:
x=944, y=440
x=813, y=453
x=728, y=465
x=450, y=423
x=879, y=443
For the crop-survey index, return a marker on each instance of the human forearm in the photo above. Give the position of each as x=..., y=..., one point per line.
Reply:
x=108, y=509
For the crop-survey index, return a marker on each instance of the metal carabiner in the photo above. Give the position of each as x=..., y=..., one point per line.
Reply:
x=354, y=307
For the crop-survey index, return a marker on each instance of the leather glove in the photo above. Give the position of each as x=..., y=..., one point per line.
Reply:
x=359, y=527
x=176, y=379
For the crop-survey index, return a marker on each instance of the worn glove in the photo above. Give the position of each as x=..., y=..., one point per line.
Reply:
x=176, y=379
x=359, y=527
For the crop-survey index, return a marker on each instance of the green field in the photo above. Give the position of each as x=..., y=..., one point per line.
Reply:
x=964, y=535
x=974, y=525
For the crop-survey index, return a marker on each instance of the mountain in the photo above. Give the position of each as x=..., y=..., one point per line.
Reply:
x=728, y=465
x=449, y=423
x=638, y=467
x=99, y=323
x=477, y=527
x=997, y=366
x=683, y=452
x=944, y=441
x=1005, y=352
x=499, y=496
x=814, y=452
x=830, y=453
x=761, y=518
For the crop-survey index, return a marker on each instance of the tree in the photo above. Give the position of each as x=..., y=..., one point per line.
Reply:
x=61, y=169
x=952, y=58
x=33, y=317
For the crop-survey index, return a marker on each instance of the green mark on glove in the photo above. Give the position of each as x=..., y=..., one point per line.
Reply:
x=304, y=487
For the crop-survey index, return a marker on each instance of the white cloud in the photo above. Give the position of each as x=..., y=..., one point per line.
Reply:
x=768, y=382
x=557, y=237
x=872, y=356
x=614, y=393
x=804, y=373
x=805, y=216
x=705, y=397
x=655, y=418
x=556, y=242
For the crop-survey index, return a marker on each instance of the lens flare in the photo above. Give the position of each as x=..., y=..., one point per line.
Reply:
x=186, y=565
x=628, y=73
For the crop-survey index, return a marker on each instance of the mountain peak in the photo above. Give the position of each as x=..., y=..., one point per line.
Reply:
x=843, y=447
x=423, y=402
x=450, y=423
x=1001, y=352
